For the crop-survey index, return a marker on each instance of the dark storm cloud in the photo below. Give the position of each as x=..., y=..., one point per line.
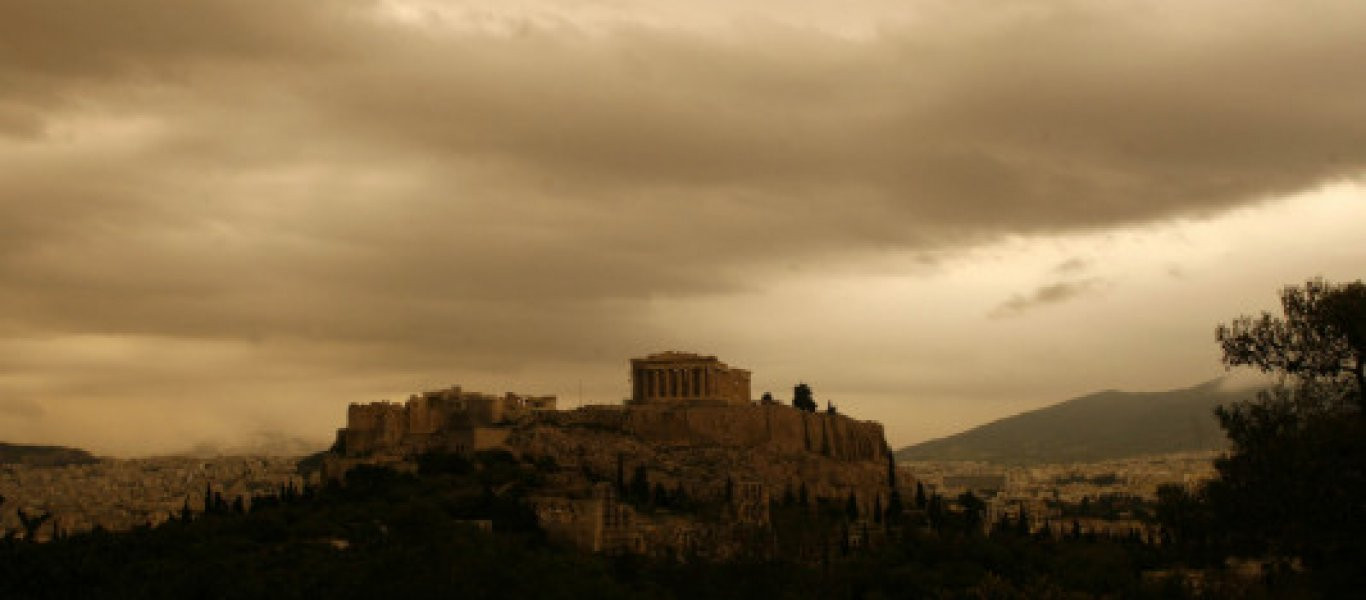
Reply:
x=415, y=175
x=316, y=172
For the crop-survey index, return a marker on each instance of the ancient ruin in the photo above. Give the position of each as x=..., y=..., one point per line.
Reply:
x=685, y=378
x=689, y=426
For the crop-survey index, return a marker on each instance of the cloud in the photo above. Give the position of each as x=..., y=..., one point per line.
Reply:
x=508, y=184
x=1071, y=266
x=20, y=408
x=1054, y=293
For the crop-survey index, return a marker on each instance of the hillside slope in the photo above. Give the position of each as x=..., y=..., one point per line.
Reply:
x=43, y=456
x=1101, y=426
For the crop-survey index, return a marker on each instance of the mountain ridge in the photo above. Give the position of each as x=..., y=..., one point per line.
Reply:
x=1104, y=425
x=43, y=456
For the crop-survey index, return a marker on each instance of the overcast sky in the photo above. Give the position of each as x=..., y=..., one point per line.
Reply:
x=226, y=219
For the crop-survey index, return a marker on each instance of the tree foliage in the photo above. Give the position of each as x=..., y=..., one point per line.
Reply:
x=1322, y=335
x=1294, y=485
x=803, y=399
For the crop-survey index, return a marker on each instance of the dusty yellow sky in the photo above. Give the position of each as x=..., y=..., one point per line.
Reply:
x=222, y=220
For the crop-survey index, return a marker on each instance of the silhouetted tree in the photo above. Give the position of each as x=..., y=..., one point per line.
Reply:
x=767, y=398
x=973, y=507
x=679, y=497
x=877, y=509
x=31, y=523
x=920, y=499
x=1295, y=481
x=1321, y=336
x=803, y=399
x=894, y=508
x=830, y=408
x=851, y=507
x=640, y=485
x=934, y=511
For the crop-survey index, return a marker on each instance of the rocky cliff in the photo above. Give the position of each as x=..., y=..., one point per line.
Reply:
x=699, y=448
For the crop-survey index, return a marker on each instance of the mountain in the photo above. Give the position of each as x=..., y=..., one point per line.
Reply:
x=43, y=456
x=1101, y=426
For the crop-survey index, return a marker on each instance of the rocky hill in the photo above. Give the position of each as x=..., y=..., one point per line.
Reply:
x=43, y=456
x=1102, y=426
x=699, y=448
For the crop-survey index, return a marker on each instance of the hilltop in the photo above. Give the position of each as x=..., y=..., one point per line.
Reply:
x=1105, y=425
x=43, y=456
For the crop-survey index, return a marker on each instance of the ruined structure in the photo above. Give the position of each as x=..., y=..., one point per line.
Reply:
x=689, y=426
x=599, y=523
x=685, y=378
x=450, y=419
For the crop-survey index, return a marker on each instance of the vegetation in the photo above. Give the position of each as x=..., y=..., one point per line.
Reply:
x=388, y=534
x=1292, y=492
x=803, y=399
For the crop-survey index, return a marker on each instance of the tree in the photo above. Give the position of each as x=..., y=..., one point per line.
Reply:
x=1294, y=483
x=803, y=399
x=920, y=499
x=894, y=508
x=639, y=488
x=767, y=398
x=973, y=509
x=851, y=507
x=1322, y=335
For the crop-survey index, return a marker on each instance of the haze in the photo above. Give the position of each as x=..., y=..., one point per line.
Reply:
x=225, y=219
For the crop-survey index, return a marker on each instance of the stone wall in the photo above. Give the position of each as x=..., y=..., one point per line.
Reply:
x=450, y=418
x=775, y=427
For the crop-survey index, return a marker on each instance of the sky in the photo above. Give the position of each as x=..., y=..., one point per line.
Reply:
x=222, y=221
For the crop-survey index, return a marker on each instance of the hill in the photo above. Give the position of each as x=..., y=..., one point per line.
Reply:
x=43, y=456
x=1101, y=426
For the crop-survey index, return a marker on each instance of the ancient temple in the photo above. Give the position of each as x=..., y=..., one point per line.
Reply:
x=686, y=378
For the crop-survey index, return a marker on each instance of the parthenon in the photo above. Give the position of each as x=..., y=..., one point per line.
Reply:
x=686, y=378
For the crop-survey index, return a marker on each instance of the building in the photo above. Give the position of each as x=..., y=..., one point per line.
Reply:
x=450, y=419
x=686, y=378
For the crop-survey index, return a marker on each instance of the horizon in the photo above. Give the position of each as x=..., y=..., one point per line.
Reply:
x=222, y=221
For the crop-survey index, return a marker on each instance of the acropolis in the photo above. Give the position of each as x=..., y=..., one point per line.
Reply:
x=689, y=422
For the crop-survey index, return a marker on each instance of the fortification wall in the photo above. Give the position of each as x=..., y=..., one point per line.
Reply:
x=775, y=427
